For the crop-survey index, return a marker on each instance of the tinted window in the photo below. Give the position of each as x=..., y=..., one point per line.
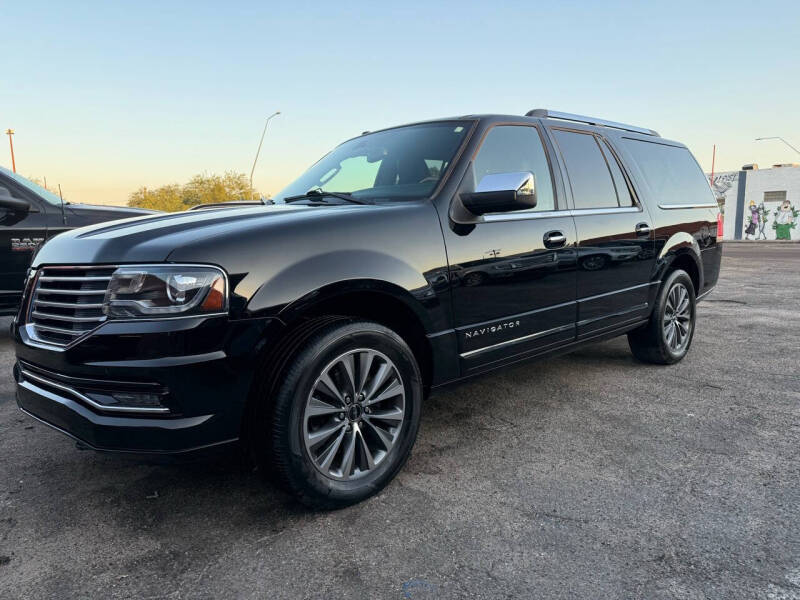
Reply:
x=589, y=175
x=672, y=173
x=515, y=149
x=620, y=183
x=47, y=195
x=395, y=164
x=351, y=174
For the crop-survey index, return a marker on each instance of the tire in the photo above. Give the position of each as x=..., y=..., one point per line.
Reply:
x=594, y=263
x=652, y=343
x=329, y=446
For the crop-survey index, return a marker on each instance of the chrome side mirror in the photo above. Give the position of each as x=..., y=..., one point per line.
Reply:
x=502, y=192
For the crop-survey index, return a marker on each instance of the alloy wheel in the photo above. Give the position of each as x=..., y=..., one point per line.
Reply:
x=354, y=414
x=677, y=318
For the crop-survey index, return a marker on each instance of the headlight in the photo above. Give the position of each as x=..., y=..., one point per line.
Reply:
x=165, y=291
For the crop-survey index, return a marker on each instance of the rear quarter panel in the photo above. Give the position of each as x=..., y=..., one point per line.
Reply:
x=690, y=231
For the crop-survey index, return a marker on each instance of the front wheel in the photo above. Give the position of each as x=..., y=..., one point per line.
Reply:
x=666, y=338
x=346, y=414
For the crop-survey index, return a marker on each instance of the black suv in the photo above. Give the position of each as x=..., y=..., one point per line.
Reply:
x=403, y=260
x=29, y=215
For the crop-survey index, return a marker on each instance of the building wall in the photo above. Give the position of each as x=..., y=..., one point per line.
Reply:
x=726, y=189
x=726, y=186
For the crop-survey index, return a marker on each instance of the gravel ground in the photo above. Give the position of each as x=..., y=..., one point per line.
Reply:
x=585, y=476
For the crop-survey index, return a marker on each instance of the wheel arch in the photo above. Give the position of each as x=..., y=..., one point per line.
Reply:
x=375, y=300
x=681, y=251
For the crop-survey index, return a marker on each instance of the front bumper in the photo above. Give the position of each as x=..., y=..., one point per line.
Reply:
x=200, y=370
x=119, y=434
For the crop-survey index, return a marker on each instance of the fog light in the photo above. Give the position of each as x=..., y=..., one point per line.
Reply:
x=127, y=399
x=137, y=399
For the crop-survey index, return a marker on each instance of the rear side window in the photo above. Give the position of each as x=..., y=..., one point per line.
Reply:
x=516, y=149
x=672, y=173
x=590, y=171
x=620, y=183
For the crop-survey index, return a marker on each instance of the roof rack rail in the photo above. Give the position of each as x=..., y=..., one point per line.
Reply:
x=552, y=114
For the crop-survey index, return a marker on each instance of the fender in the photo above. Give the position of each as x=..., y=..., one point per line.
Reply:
x=322, y=276
x=678, y=245
x=340, y=288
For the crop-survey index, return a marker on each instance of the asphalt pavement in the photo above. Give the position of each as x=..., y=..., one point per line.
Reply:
x=584, y=476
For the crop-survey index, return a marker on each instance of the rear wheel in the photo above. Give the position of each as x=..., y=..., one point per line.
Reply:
x=346, y=414
x=666, y=338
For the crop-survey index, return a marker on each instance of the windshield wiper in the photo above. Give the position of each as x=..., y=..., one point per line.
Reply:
x=322, y=194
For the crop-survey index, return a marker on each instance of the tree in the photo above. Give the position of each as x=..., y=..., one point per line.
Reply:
x=200, y=189
x=168, y=198
x=204, y=189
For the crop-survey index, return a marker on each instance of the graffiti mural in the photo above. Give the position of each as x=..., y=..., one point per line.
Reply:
x=785, y=220
x=724, y=186
x=752, y=221
x=756, y=222
x=759, y=205
x=762, y=225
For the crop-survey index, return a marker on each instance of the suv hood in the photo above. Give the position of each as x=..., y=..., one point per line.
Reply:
x=154, y=237
x=88, y=214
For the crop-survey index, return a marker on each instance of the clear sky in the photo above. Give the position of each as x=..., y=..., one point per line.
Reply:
x=108, y=96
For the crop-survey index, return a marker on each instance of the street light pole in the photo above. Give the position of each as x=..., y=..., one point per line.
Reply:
x=775, y=137
x=263, y=133
x=10, y=133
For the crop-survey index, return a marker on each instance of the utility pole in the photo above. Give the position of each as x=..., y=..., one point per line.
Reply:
x=263, y=133
x=10, y=133
x=713, y=160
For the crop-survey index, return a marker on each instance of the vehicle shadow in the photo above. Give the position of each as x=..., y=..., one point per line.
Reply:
x=176, y=494
x=7, y=360
x=5, y=328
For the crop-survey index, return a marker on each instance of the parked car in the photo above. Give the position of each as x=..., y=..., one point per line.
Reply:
x=29, y=215
x=311, y=331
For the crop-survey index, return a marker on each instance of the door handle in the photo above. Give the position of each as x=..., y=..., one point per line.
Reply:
x=643, y=229
x=554, y=239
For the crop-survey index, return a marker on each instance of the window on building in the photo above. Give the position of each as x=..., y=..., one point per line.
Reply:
x=775, y=196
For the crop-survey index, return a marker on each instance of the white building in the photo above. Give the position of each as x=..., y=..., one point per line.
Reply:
x=758, y=194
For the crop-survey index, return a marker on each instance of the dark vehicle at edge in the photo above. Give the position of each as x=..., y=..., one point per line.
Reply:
x=30, y=215
x=310, y=331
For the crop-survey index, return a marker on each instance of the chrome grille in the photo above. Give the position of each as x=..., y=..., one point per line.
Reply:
x=67, y=302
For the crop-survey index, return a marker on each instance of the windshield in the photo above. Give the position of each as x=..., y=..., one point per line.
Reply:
x=46, y=195
x=397, y=164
